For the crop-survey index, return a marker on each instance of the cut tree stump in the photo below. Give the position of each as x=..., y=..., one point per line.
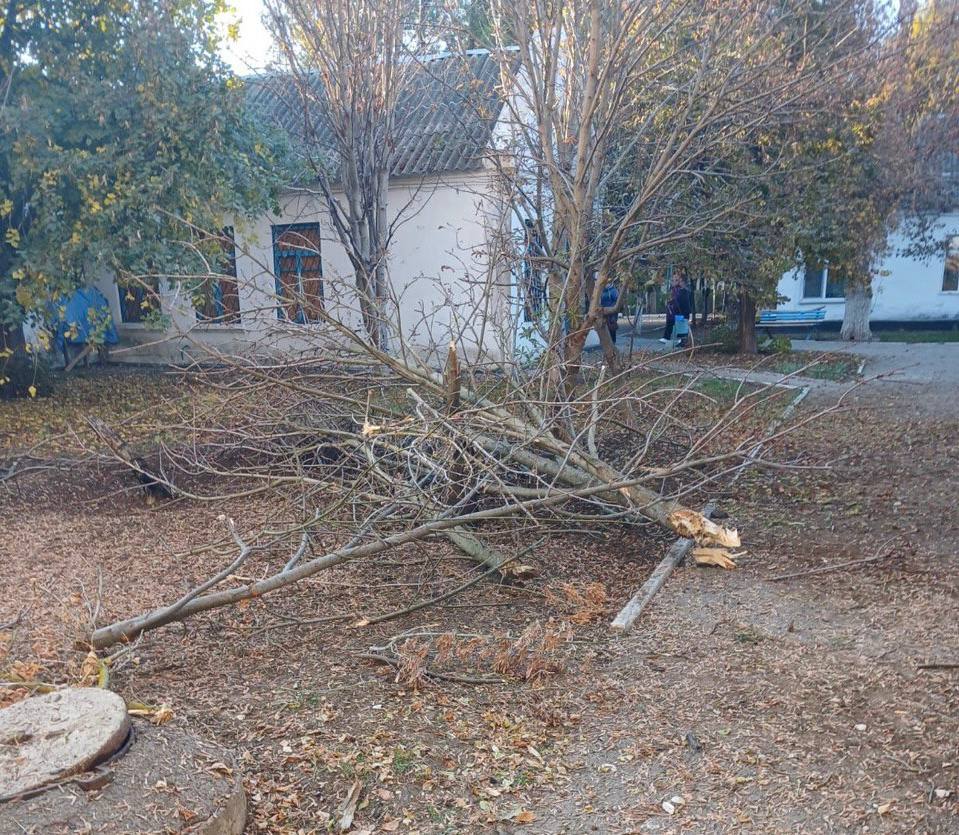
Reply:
x=159, y=779
x=46, y=738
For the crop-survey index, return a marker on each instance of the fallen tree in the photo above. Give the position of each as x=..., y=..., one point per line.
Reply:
x=370, y=431
x=396, y=476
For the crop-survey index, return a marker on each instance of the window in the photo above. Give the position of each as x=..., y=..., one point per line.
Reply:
x=534, y=284
x=137, y=302
x=820, y=282
x=217, y=299
x=299, y=271
x=950, y=273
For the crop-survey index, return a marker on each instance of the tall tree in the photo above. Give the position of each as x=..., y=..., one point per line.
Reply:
x=647, y=101
x=882, y=163
x=349, y=64
x=766, y=174
x=121, y=133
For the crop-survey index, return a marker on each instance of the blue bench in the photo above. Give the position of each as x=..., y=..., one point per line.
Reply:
x=769, y=319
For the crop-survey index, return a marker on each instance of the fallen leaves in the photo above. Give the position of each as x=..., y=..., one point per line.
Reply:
x=584, y=602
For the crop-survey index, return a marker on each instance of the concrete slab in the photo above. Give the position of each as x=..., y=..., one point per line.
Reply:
x=922, y=363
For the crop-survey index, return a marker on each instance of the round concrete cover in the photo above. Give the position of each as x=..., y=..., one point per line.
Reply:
x=49, y=737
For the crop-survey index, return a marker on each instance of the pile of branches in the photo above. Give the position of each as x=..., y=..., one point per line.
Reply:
x=370, y=458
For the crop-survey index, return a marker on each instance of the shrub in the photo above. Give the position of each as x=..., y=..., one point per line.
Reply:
x=20, y=371
x=724, y=339
x=778, y=345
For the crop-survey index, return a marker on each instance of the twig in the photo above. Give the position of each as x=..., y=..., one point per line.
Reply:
x=298, y=622
x=827, y=568
x=226, y=572
x=591, y=433
x=87, y=350
x=939, y=665
x=756, y=450
x=15, y=622
x=35, y=686
x=434, y=600
x=454, y=677
x=304, y=542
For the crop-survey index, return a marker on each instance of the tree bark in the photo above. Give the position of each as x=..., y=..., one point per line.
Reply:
x=747, y=324
x=855, y=320
x=674, y=557
x=610, y=354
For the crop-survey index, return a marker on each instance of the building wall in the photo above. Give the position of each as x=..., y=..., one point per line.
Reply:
x=444, y=263
x=904, y=289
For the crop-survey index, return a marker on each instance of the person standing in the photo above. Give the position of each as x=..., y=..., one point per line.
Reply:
x=679, y=304
x=608, y=299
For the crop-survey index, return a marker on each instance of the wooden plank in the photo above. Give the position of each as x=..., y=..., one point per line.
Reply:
x=674, y=557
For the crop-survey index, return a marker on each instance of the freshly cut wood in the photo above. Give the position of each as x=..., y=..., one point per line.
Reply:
x=692, y=525
x=720, y=557
x=637, y=605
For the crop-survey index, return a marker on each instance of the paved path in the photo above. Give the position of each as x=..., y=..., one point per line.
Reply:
x=739, y=375
x=923, y=363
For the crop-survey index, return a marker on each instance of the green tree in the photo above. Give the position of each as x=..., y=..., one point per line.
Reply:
x=123, y=138
x=880, y=165
x=776, y=180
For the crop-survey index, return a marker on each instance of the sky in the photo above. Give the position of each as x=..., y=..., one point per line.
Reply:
x=251, y=51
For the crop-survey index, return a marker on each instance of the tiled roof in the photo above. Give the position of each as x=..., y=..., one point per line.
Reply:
x=444, y=118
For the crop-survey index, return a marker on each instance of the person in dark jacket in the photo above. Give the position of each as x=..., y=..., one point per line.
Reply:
x=680, y=304
x=608, y=299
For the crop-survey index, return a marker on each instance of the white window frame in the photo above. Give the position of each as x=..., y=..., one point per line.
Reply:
x=952, y=254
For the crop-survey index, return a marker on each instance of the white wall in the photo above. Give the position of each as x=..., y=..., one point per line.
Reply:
x=447, y=280
x=904, y=289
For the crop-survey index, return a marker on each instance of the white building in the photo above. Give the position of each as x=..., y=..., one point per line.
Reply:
x=905, y=290
x=445, y=257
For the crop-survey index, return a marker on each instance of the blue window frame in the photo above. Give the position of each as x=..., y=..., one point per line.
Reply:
x=217, y=300
x=298, y=268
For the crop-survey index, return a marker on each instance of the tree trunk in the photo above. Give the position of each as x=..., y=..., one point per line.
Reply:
x=610, y=354
x=855, y=321
x=693, y=287
x=747, y=324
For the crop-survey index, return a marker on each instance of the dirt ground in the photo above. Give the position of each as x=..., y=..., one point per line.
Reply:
x=739, y=703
